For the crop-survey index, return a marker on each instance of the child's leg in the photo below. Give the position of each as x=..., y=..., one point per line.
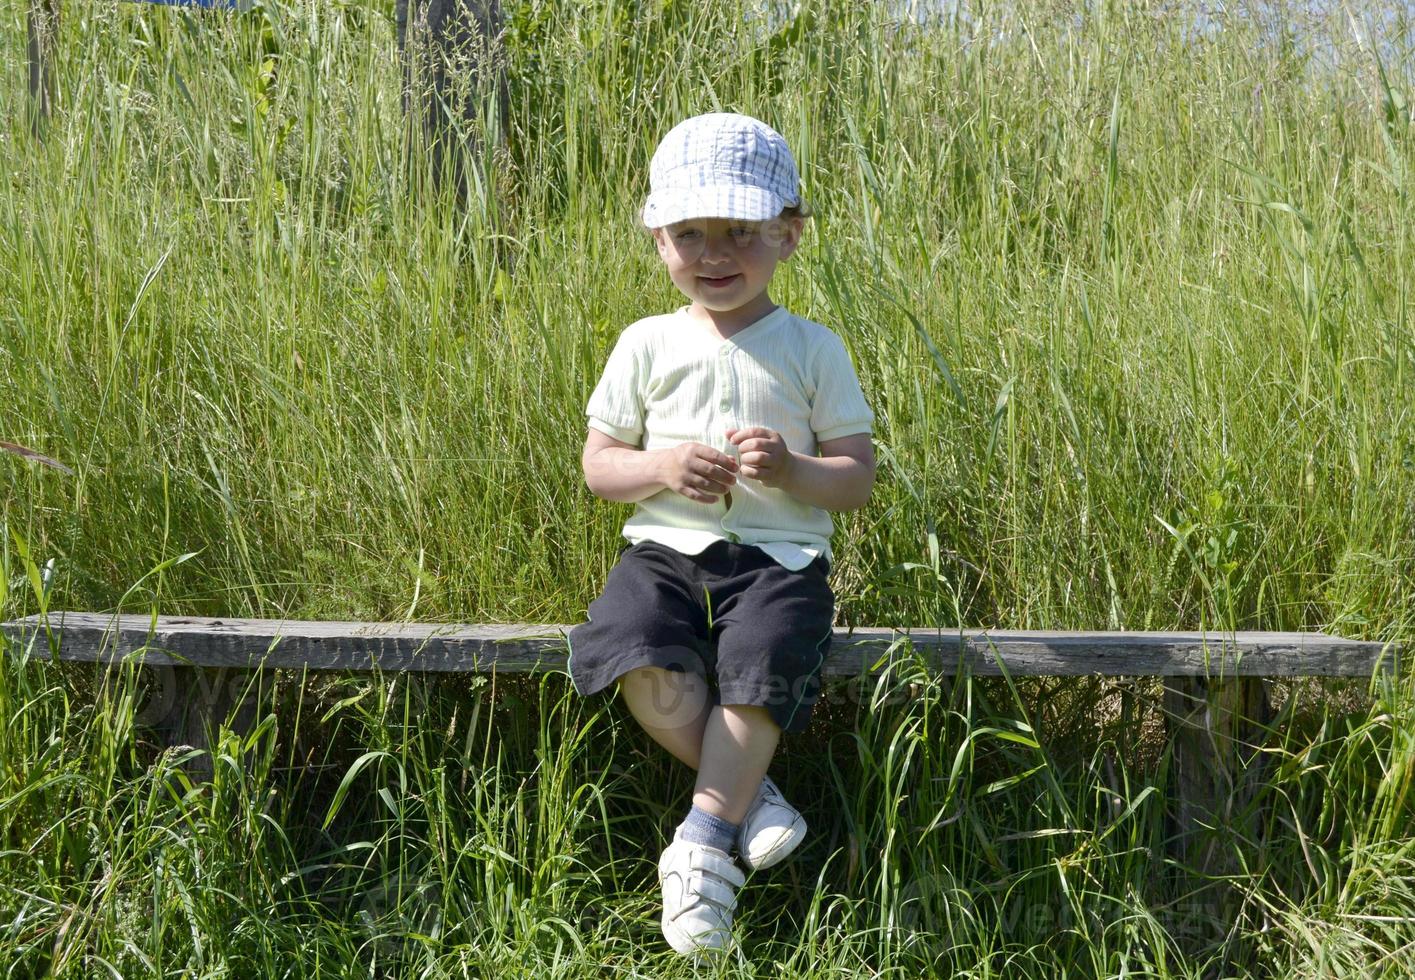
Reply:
x=672, y=706
x=731, y=746
x=737, y=745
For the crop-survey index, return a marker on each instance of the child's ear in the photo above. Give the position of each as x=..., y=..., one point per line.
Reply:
x=789, y=231
x=660, y=241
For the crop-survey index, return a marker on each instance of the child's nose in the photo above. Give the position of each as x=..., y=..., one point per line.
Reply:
x=715, y=249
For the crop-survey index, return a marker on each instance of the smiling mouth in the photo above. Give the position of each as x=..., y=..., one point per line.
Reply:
x=717, y=280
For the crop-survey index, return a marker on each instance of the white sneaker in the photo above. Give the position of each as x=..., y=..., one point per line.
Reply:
x=771, y=829
x=699, y=893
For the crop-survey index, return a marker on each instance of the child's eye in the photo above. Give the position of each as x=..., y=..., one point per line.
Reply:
x=740, y=234
x=686, y=235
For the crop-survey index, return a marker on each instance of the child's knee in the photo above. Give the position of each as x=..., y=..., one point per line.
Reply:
x=658, y=681
x=751, y=717
x=674, y=696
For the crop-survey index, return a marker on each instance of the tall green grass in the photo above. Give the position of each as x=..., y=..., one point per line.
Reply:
x=1128, y=287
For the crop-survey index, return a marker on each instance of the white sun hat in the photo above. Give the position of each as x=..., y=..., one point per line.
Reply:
x=721, y=165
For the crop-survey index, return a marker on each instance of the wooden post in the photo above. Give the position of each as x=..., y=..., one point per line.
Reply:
x=188, y=705
x=1217, y=726
x=449, y=48
x=41, y=28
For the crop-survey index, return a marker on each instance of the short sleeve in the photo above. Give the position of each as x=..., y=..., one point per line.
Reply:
x=616, y=405
x=838, y=408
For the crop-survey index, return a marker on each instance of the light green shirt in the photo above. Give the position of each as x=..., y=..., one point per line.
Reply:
x=670, y=381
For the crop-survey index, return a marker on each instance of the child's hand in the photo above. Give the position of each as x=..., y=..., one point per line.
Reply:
x=763, y=454
x=698, y=472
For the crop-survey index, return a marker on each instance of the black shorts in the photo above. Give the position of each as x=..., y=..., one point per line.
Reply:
x=731, y=613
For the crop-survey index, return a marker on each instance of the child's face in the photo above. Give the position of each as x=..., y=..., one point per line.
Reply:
x=725, y=265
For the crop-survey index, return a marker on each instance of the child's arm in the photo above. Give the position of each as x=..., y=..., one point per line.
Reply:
x=616, y=470
x=840, y=478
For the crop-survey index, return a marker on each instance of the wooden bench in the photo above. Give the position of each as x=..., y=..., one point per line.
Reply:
x=1215, y=699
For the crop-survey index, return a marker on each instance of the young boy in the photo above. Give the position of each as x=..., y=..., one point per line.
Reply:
x=735, y=427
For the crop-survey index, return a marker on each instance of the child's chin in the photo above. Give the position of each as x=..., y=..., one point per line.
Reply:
x=723, y=299
x=721, y=306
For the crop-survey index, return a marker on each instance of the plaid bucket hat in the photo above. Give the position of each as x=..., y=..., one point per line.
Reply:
x=721, y=165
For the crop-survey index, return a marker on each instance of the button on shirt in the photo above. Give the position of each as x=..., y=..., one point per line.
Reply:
x=670, y=381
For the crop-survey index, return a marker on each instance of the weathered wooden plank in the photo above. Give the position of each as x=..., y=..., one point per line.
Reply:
x=519, y=648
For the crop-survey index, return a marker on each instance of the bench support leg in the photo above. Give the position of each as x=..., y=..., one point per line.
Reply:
x=187, y=706
x=1216, y=727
